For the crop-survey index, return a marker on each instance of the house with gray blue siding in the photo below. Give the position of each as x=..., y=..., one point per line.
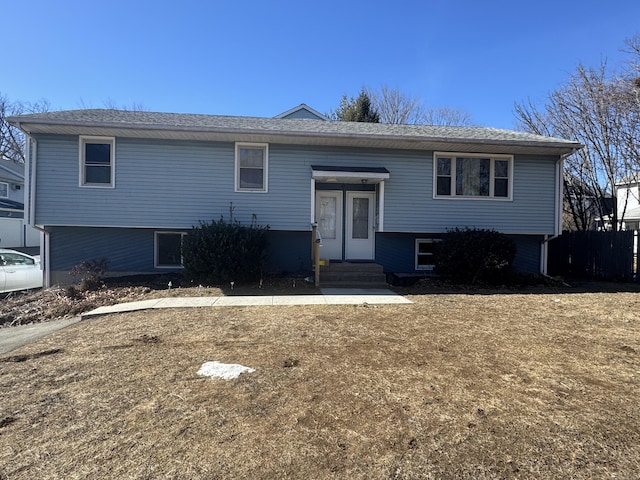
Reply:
x=127, y=185
x=14, y=233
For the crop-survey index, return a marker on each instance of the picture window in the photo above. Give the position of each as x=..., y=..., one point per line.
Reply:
x=473, y=176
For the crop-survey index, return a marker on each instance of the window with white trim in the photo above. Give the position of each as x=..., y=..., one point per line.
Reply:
x=425, y=253
x=97, y=161
x=168, y=250
x=4, y=190
x=252, y=160
x=464, y=175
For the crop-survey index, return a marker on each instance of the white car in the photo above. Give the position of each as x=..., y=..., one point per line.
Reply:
x=19, y=271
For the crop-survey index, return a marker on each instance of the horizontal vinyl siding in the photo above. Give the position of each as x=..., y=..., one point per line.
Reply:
x=168, y=185
x=410, y=206
x=171, y=184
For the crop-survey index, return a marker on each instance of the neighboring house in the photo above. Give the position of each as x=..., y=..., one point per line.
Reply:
x=126, y=185
x=628, y=202
x=585, y=207
x=14, y=232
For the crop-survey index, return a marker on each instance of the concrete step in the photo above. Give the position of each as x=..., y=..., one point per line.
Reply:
x=352, y=267
x=353, y=275
x=341, y=284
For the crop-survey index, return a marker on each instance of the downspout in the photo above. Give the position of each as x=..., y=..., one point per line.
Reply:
x=559, y=193
x=31, y=146
x=30, y=178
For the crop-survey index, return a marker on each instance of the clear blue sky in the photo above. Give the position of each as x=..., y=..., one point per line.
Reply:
x=264, y=57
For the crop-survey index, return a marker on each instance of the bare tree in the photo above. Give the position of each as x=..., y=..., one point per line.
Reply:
x=11, y=139
x=448, y=117
x=134, y=107
x=396, y=107
x=111, y=104
x=601, y=111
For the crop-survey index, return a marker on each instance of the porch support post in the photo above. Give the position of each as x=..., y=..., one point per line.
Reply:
x=313, y=201
x=381, y=206
x=315, y=250
x=315, y=238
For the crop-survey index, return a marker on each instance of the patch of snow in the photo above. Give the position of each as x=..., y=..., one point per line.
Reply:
x=227, y=371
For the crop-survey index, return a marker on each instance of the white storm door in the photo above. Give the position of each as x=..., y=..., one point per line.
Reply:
x=329, y=219
x=359, y=241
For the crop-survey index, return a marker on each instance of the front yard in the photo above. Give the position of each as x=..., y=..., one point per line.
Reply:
x=457, y=385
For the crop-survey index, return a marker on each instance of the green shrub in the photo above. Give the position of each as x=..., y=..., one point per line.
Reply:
x=220, y=252
x=475, y=256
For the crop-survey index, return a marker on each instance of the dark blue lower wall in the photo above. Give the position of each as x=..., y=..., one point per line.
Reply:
x=131, y=251
x=396, y=251
x=528, y=253
x=126, y=249
x=288, y=252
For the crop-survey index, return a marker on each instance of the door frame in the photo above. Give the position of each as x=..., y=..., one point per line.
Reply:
x=348, y=179
x=333, y=248
x=359, y=249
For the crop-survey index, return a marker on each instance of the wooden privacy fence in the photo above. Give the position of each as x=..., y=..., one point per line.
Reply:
x=601, y=255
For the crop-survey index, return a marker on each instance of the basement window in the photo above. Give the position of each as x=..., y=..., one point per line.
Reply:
x=425, y=254
x=168, y=250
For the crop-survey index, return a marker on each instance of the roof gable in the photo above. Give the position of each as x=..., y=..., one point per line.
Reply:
x=302, y=111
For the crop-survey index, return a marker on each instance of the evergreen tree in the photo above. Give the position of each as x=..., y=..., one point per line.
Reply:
x=356, y=109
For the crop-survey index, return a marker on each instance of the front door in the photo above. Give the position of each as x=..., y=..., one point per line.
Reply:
x=359, y=226
x=329, y=218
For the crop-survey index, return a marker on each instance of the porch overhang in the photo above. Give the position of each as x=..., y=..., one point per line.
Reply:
x=360, y=175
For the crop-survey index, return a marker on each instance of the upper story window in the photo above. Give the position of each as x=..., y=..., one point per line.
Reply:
x=97, y=161
x=4, y=190
x=252, y=160
x=473, y=176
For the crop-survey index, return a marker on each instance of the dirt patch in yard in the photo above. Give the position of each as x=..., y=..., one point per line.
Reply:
x=455, y=385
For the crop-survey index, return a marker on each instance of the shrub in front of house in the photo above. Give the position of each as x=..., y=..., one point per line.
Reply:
x=475, y=256
x=221, y=252
x=89, y=274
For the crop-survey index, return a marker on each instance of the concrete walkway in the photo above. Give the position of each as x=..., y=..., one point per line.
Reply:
x=328, y=296
x=14, y=337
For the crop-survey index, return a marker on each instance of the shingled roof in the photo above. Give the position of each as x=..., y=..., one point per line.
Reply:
x=141, y=124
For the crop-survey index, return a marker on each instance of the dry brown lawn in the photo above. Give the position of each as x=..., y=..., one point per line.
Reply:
x=540, y=386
